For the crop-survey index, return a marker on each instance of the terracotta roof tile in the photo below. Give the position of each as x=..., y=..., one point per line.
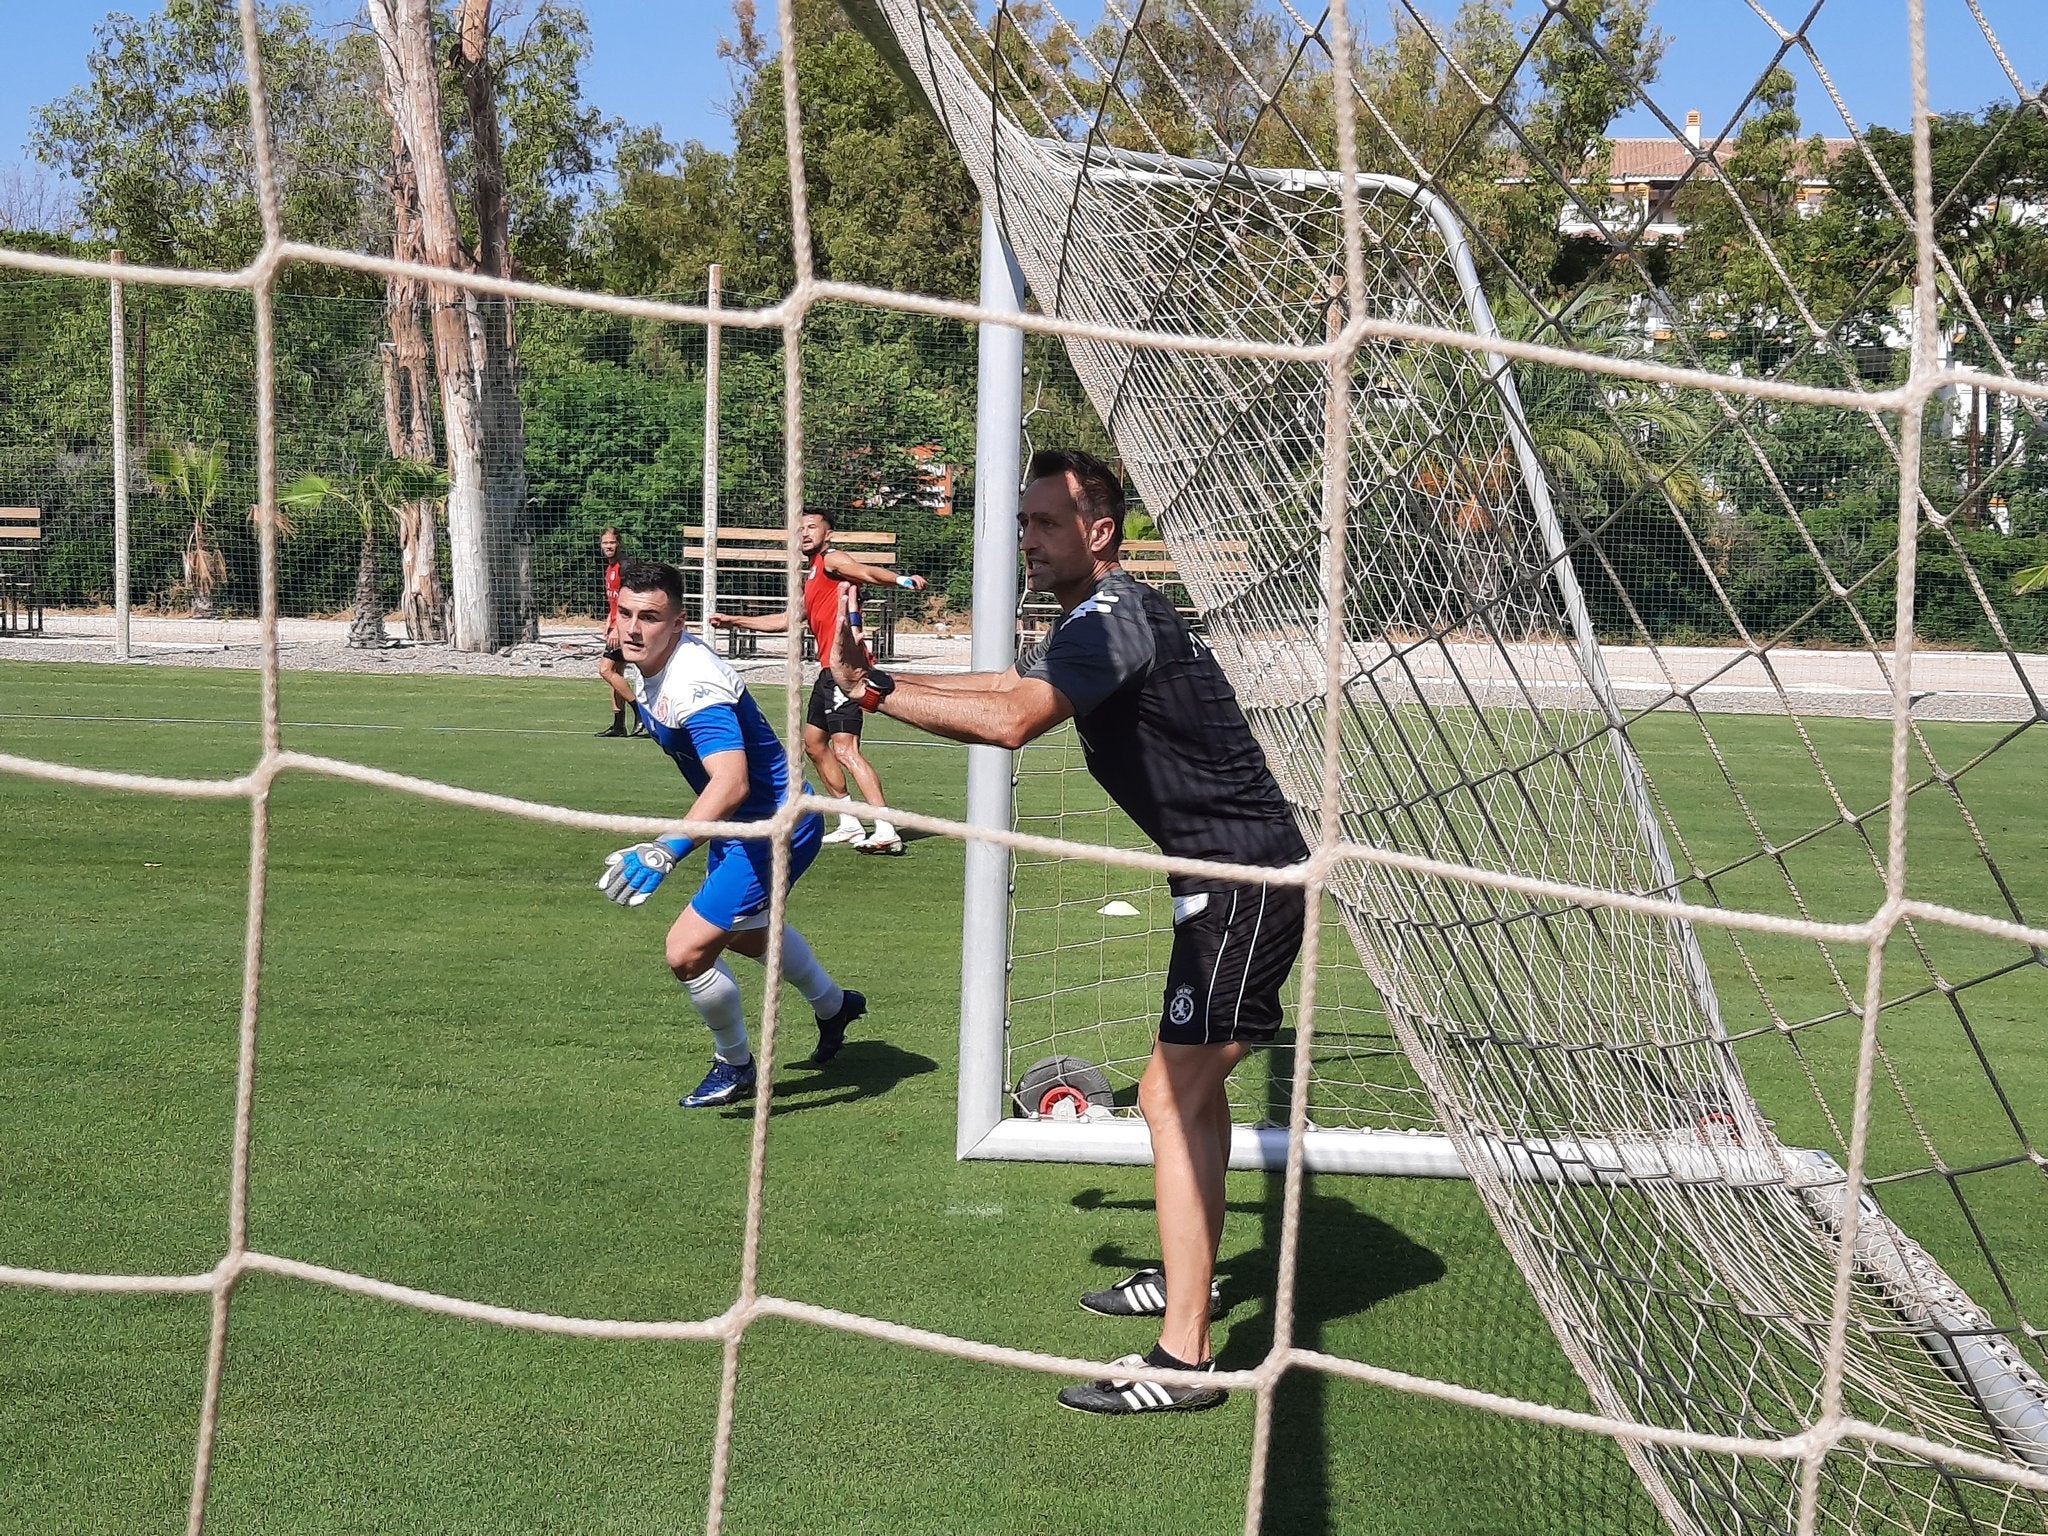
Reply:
x=1666, y=159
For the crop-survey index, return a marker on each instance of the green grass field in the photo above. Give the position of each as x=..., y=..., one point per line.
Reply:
x=467, y=1078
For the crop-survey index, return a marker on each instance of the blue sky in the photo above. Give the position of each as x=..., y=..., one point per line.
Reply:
x=655, y=61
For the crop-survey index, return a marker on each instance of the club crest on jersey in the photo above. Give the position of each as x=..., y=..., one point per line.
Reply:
x=1182, y=1007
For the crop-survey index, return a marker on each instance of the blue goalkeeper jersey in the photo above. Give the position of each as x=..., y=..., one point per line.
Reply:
x=697, y=705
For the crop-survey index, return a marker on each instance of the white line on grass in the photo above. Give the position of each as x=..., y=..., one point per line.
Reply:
x=358, y=725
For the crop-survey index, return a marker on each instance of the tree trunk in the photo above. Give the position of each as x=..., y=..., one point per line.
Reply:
x=413, y=96
x=366, y=630
x=408, y=409
x=1976, y=437
x=504, y=421
x=198, y=565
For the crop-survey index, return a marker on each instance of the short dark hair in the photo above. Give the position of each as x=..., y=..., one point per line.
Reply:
x=1102, y=488
x=824, y=515
x=652, y=576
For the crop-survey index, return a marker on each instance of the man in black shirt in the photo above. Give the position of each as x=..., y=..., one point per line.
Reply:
x=1162, y=732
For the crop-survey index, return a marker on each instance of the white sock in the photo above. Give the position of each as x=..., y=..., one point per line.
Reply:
x=884, y=833
x=716, y=995
x=800, y=968
x=850, y=824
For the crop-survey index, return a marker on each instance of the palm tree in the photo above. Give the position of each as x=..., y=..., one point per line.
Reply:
x=194, y=475
x=2003, y=268
x=1601, y=436
x=1603, y=443
x=374, y=495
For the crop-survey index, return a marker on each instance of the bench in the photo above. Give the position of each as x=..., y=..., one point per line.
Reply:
x=1149, y=561
x=750, y=570
x=21, y=598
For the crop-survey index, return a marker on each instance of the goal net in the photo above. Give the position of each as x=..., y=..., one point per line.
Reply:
x=1405, y=594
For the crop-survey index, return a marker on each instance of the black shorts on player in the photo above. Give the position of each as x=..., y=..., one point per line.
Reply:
x=1232, y=952
x=832, y=711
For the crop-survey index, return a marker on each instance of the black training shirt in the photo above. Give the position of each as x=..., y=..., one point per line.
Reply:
x=1161, y=730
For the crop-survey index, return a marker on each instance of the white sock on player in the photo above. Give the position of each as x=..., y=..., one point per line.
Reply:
x=851, y=825
x=800, y=968
x=716, y=995
x=885, y=833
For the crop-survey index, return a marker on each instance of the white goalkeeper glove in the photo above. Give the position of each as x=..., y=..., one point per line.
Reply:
x=631, y=874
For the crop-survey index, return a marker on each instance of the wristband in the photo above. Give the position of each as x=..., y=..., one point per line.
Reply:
x=907, y=583
x=880, y=686
x=678, y=846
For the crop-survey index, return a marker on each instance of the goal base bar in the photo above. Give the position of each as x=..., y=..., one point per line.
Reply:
x=1421, y=1155
x=1670, y=1156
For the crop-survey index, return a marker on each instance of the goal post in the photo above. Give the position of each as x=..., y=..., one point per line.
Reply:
x=985, y=905
x=991, y=1059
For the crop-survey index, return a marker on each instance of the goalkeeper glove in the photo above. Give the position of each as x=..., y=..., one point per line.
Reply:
x=631, y=874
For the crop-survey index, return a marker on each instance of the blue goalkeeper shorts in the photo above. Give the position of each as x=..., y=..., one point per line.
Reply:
x=737, y=874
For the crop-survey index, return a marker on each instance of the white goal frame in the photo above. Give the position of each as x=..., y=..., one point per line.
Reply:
x=983, y=1127
x=1955, y=1331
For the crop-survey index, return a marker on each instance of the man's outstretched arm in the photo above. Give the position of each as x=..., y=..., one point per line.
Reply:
x=1007, y=715
x=763, y=623
x=632, y=874
x=842, y=565
x=995, y=709
x=966, y=682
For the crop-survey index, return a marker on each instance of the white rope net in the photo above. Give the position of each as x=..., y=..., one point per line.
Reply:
x=1767, y=1348
x=1088, y=952
x=1425, y=674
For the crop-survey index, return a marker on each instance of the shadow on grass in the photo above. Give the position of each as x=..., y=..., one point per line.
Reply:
x=865, y=1069
x=1349, y=1261
x=909, y=835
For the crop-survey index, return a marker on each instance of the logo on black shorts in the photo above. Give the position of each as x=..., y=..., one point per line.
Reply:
x=1182, y=1008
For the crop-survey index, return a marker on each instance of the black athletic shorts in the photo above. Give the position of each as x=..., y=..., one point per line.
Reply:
x=832, y=711
x=1230, y=959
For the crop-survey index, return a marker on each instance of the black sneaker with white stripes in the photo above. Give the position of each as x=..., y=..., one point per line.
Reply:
x=1117, y=1395
x=1144, y=1295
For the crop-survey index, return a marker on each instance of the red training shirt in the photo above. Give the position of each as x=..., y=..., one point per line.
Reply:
x=821, y=605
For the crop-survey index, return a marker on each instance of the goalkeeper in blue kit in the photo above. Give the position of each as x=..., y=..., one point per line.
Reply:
x=701, y=715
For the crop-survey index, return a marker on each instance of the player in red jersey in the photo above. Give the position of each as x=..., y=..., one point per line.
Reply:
x=832, y=727
x=612, y=666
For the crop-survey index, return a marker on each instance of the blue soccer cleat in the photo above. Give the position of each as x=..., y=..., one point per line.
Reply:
x=723, y=1084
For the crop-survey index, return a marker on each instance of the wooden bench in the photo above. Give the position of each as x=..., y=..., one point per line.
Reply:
x=1149, y=561
x=750, y=571
x=21, y=597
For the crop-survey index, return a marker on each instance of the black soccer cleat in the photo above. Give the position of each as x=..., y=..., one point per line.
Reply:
x=616, y=728
x=1144, y=1295
x=832, y=1031
x=1117, y=1396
